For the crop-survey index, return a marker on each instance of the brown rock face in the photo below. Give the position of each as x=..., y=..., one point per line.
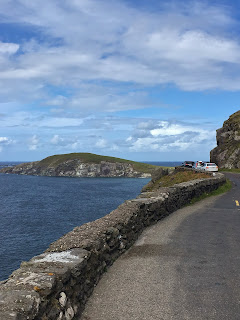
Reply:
x=76, y=168
x=227, y=152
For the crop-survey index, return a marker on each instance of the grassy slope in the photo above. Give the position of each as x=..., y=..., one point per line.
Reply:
x=56, y=160
x=177, y=177
x=234, y=118
x=235, y=170
x=184, y=176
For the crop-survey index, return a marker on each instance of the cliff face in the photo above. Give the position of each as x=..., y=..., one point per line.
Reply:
x=227, y=152
x=77, y=168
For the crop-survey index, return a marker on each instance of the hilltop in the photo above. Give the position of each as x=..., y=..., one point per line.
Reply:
x=83, y=165
x=227, y=152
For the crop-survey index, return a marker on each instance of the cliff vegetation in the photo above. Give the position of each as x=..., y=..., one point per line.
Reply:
x=168, y=178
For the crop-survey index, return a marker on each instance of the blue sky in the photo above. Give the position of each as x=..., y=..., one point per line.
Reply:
x=142, y=80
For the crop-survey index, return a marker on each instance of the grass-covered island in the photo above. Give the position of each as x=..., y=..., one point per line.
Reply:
x=83, y=165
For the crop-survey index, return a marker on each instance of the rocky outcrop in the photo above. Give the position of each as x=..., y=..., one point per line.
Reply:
x=78, y=168
x=227, y=152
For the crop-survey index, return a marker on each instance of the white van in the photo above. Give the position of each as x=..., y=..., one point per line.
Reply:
x=198, y=165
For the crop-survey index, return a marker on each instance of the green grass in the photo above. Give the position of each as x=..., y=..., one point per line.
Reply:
x=235, y=117
x=222, y=189
x=177, y=177
x=54, y=161
x=235, y=170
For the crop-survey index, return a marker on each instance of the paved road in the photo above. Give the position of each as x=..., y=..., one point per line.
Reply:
x=185, y=267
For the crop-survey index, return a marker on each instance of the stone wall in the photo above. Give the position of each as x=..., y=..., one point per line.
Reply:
x=56, y=284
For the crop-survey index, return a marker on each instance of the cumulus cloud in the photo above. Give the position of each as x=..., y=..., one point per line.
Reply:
x=4, y=141
x=165, y=136
x=33, y=142
x=8, y=48
x=79, y=58
x=55, y=139
x=101, y=143
x=83, y=42
x=68, y=142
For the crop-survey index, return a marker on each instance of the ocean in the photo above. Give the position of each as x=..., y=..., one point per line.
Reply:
x=36, y=211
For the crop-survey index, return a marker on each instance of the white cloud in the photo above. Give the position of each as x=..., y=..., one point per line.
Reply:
x=74, y=146
x=169, y=129
x=179, y=44
x=101, y=143
x=55, y=139
x=193, y=47
x=8, y=48
x=170, y=136
x=65, y=142
x=93, y=57
x=4, y=140
x=114, y=147
x=33, y=142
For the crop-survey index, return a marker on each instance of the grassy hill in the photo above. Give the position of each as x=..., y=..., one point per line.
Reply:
x=54, y=161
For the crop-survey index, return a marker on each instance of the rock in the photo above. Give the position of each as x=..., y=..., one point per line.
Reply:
x=227, y=152
x=69, y=314
x=63, y=299
x=159, y=173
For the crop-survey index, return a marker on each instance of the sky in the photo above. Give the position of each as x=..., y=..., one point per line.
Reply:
x=144, y=80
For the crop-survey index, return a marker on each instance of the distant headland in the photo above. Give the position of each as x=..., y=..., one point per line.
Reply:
x=83, y=165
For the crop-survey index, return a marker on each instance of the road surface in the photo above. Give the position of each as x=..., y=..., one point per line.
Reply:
x=187, y=266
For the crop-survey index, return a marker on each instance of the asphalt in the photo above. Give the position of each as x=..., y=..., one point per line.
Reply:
x=184, y=267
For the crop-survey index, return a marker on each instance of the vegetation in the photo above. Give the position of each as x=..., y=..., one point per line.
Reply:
x=234, y=170
x=177, y=177
x=222, y=189
x=235, y=117
x=54, y=161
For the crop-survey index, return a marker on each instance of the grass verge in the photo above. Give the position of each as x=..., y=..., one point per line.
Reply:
x=230, y=170
x=222, y=189
x=175, y=178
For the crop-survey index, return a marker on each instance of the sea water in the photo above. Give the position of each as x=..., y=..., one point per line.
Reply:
x=36, y=211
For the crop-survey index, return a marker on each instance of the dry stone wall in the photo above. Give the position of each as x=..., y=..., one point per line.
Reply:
x=56, y=284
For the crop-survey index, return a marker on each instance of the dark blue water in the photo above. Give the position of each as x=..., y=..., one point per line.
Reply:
x=9, y=164
x=36, y=211
x=165, y=163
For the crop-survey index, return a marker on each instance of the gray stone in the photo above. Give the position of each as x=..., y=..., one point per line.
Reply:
x=63, y=299
x=227, y=152
x=69, y=314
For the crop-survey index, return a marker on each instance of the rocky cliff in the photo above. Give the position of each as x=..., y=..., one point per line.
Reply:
x=83, y=165
x=227, y=152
